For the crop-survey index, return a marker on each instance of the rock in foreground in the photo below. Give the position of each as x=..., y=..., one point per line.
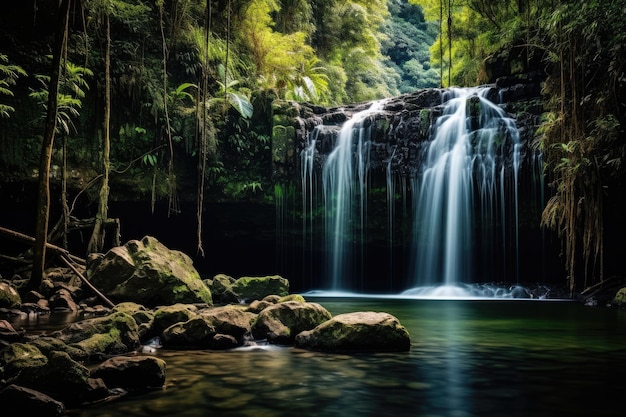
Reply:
x=357, y=332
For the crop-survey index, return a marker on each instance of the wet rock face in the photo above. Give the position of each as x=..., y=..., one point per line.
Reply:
x=398, y=131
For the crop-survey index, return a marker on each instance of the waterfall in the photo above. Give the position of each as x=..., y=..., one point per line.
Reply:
x=465, y=189
x=344, y=182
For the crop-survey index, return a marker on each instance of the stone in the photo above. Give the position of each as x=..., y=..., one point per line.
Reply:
x=9, y=297
x=357, y=332
x=116, y=333
x=147, y=272
x=246, y=289
x=48, y=344
x=17, y=357
x=620, y=298
x=280, y=323
x=136, y=373
x=195, y=333
x=230, y=320
x=22, y=401
x=62, y=300
x=166, y=316
x=61, y=378
x=8, y=333
x=219, y=284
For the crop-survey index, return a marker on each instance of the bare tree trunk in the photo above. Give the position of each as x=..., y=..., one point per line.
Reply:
x=96, y=243
x=43, y=199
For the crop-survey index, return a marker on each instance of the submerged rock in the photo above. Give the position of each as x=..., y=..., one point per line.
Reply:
x=357, y=332
x=148, y=273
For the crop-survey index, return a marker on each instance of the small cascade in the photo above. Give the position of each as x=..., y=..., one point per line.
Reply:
x=344, y=181
x=465, y=190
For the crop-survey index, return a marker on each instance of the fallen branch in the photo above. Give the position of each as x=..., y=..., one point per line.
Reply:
x=64, y=255
x=67, y=262
x=31, y=240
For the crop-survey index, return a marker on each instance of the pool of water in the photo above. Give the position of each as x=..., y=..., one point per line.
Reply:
x=467, y=358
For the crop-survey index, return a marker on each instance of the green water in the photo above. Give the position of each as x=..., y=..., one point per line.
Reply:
x=468, y=358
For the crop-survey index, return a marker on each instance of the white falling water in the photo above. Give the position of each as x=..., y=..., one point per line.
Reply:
x=469, y=171
x=344, y=181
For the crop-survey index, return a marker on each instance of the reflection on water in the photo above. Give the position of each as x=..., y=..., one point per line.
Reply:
x=468, y=358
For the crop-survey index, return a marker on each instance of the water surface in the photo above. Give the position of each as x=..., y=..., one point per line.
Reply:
x=467, y=358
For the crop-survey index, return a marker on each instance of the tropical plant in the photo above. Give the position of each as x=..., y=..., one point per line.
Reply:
x=582, y=135
x=8, y=76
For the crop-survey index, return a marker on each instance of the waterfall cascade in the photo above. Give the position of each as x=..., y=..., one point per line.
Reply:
x=452, y=217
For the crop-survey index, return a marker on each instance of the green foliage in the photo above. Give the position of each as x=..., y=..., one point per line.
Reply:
x=8, y=76
x=72, y=86
x=407, y=44
x=582, y=134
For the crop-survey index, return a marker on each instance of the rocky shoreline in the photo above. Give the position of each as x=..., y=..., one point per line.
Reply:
x=160, y=302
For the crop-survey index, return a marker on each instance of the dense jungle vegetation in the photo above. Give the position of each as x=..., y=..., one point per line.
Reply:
x=159, y=97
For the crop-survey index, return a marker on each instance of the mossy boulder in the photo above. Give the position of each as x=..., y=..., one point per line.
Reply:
x=142, y=316
x=167, y=316
x=48, y=344
x=147, y=272
x=17, y=357
x=61, y=377
x=357, y=332
x=116, y=333
x=281, y=322
x=247, y=289
x=9, y=297
x=219, y=284
x=136, y=373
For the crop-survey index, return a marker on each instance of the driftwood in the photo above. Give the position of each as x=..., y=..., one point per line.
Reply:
x=65, y=256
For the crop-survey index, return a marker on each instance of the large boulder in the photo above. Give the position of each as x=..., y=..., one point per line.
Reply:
x=146, y=272
x=246, y=289
x=280, y=323
x=357, y=332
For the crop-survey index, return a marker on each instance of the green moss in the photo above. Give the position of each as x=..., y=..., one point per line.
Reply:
x=292, y=297
x=18, y=356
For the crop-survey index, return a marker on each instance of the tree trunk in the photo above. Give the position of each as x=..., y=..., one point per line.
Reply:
x=43, y=199
x=96, y=243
